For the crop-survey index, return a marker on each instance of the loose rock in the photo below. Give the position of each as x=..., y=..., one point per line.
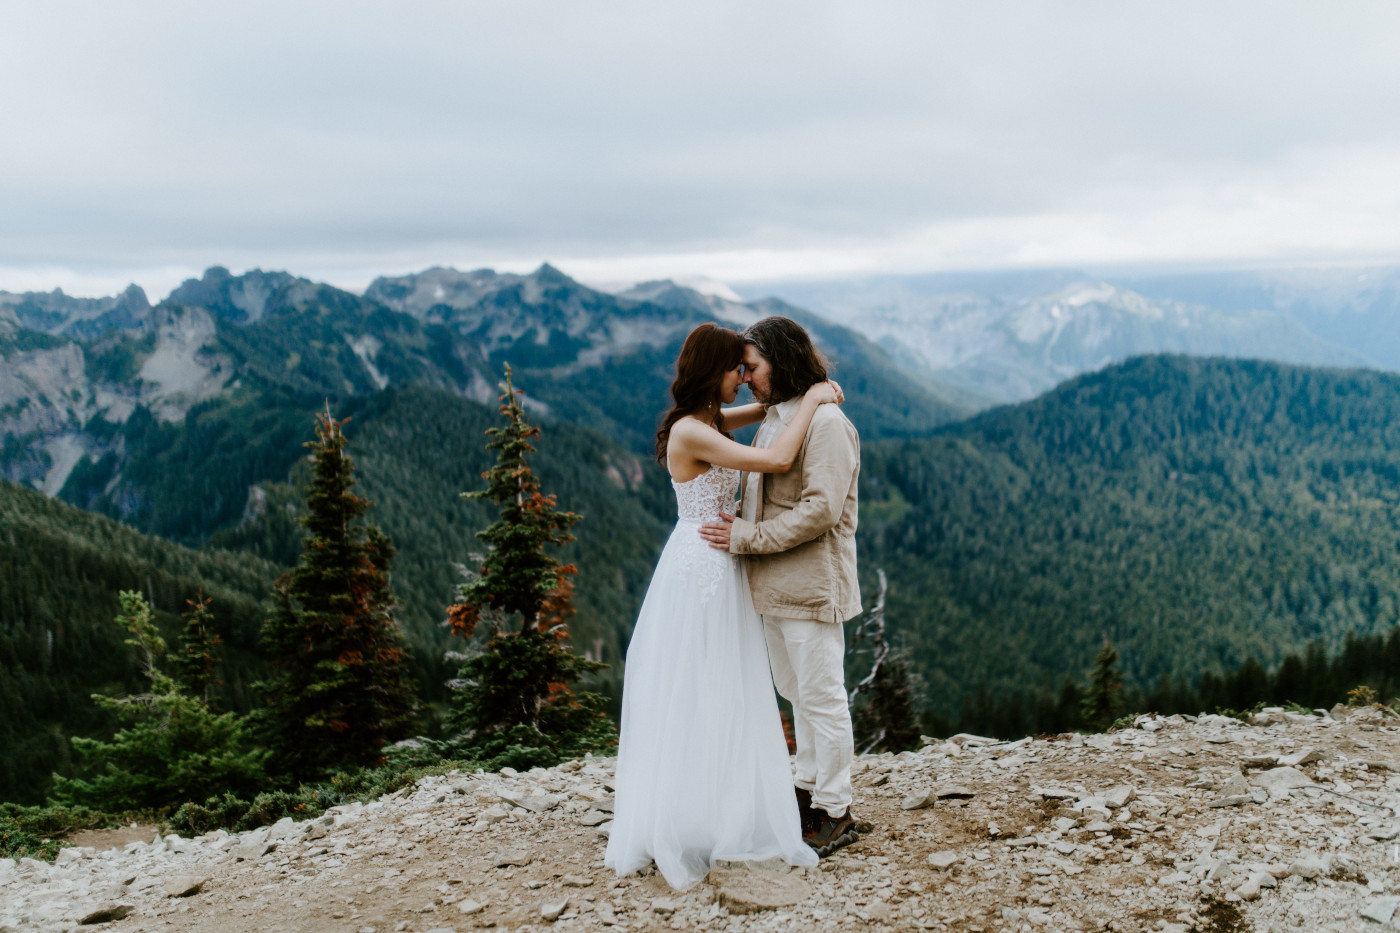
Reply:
x=183, y=885
x=107, y=913
x=751, y=891
x=1381, y=910
x=507, y=858
x=943, y=860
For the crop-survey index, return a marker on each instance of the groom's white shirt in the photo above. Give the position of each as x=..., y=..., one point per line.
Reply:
x=769, y=429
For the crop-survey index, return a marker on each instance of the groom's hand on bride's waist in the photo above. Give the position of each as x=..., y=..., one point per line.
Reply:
x=717, y=533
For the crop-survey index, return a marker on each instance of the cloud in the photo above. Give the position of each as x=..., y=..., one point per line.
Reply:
x=742, y=140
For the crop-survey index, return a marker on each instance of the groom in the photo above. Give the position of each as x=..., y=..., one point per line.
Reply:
x=798, y=531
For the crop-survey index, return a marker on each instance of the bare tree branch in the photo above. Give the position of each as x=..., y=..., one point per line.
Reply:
x=873, y=626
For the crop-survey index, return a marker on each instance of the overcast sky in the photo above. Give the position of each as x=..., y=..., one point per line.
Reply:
x=752, y=140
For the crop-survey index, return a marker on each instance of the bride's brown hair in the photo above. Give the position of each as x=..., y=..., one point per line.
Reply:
x=709, y=352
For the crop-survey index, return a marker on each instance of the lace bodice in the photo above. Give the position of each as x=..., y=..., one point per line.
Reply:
x=702, y=499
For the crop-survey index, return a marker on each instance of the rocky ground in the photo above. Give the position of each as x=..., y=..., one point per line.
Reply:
x=1175, y=824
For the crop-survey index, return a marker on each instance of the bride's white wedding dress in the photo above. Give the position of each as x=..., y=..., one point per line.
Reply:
x=702, y=766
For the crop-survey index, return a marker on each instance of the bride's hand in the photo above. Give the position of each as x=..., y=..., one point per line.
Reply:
x=824, y=392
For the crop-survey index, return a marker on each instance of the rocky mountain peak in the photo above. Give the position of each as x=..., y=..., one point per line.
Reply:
x=549, y=275
x=61, y=315
x=245, y=298
x=669, y=293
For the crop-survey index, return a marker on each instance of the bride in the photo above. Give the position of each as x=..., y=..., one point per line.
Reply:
x=702, y=767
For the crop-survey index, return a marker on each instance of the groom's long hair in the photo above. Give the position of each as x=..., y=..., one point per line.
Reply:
x=709, y=352
x=797, y=364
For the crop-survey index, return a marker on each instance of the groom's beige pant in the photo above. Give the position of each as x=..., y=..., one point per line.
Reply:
x=808, y=660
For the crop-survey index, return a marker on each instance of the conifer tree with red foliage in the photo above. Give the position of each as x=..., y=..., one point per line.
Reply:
x=340, y=691
x=515, y=699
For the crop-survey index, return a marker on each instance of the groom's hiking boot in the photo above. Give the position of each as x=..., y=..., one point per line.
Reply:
x=809, y=814
x=829, y=833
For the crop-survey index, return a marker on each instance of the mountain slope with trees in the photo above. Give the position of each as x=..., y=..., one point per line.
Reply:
x=61, y=570
x=1193, y=512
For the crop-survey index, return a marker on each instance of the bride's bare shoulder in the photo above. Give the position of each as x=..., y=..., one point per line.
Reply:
x=691, y=425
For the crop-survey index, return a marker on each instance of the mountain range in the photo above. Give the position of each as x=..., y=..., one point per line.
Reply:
x=74, y=368
x=1197, y=512
x=1009, y=336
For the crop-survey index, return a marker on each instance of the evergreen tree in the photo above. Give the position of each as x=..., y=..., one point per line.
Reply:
x=198, y=657
x=175, y=748
x=515, y=699
x=888, y=720
x=1069, y=705
x=1103, y=700
x=340, y=690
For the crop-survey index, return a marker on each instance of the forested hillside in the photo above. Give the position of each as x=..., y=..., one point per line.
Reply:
x=1194, y=512
x=415, y=451
x=60, y=572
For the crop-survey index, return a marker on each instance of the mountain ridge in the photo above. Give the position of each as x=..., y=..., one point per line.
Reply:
x=1009, y=336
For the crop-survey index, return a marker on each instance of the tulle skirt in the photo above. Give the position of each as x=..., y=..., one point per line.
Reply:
x=702, y=767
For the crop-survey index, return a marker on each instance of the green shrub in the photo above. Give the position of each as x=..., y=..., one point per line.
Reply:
x=28, y=832
x=307, y=801
x=174, y=746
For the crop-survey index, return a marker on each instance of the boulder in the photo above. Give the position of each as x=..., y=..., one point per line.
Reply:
x=1235, y=786
x=1381, y=910
x=493, y=815
x=107, y=913
x=745, y=892
x=1119, y=796
x=252, y=851
x=512, y=858
x=972, y=741
x=954, y=792
x=183, y=885
x=919, y=800
x=1233, y=800
x=1278, y=782
x=775, y=863
x=1054, y=793
x=944, y=860
x=1309, y=866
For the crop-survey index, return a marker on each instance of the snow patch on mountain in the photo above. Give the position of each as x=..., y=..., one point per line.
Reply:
x=1013, y=346
x=708, y=286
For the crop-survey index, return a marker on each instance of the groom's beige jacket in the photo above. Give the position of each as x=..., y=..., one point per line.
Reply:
x=799, y=533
